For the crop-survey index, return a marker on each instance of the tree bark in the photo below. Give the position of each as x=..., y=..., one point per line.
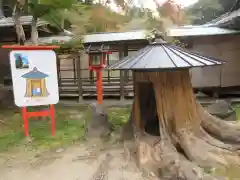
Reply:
x=183, y=145
x=1, y=9
x=160, y=156
x=19, y=28
x=34, y=32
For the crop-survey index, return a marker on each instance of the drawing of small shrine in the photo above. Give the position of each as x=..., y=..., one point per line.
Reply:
x=36, y=83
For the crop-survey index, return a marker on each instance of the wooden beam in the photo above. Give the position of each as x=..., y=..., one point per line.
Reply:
x=75, y=58
x=108, y=63
x=79, y=77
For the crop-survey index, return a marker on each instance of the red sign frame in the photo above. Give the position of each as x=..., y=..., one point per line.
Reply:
x=25, y=114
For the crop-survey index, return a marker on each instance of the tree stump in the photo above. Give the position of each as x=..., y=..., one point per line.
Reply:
x=190, y=138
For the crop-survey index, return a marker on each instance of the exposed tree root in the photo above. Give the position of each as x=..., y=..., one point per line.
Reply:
x=222, y=130
x=215, y=142
x=205, y=154
x=175, y=166
x=162, y=157
x=208, y=139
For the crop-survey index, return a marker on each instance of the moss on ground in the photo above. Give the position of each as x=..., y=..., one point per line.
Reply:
x=231, y=172
x=69, y=128
x=237, y=109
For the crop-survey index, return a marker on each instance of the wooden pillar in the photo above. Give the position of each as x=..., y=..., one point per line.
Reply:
x=1, y=9
x=74, y=68
x=125, y=54
x=121, y=55
x=108, y=63
x=91, y=77
x=79, y=77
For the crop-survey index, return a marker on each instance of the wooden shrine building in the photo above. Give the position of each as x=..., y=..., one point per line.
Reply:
x=75, y=79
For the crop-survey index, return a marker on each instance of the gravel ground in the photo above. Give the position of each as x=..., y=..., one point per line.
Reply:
x=71, y=164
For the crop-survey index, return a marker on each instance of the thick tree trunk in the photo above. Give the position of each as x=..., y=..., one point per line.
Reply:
x=183, y=144
x=1, y=9
x=19, y=28
x=34, y=32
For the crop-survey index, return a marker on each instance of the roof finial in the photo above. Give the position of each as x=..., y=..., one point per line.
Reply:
x=158, y=37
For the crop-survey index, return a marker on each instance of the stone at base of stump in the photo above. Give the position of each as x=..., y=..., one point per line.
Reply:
x=223, y=110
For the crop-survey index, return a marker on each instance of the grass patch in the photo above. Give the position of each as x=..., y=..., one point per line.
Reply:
x=69, y=128
x=118, y=116
x=237, y=109
x=231, y=172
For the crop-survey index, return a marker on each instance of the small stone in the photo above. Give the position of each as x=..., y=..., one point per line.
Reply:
x=38, y=155
x=28, y=139
x=76, y=116
x=59, y=150
x=220, y=108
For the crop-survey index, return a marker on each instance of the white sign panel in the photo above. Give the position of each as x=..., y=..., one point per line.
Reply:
x=34, y=76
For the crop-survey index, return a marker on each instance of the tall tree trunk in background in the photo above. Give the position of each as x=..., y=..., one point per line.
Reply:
x=21, y=38
x=63, y=23
x=34, y=32
x=1, y=9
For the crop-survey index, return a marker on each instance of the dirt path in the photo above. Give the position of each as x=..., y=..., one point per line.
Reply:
x=72, y=164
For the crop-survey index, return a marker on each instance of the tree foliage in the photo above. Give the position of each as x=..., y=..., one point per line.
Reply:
x=87, y=16
x=92, y=18
x=205, y=10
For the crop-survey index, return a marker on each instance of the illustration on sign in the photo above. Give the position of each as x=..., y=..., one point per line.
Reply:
x=35, y=83
x=21, y=61
x=34, y=77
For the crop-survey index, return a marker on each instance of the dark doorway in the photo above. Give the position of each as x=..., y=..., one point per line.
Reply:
x=148, y=109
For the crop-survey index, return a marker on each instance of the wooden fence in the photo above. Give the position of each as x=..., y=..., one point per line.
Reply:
x=75, y=80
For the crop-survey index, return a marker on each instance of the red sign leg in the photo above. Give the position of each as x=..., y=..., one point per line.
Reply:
x=99, y=87
x=52, y=116
x=25, y=121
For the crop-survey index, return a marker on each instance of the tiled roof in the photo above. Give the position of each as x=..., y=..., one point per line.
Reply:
x=25, y=20
x=202, y=30
x=115, y=36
